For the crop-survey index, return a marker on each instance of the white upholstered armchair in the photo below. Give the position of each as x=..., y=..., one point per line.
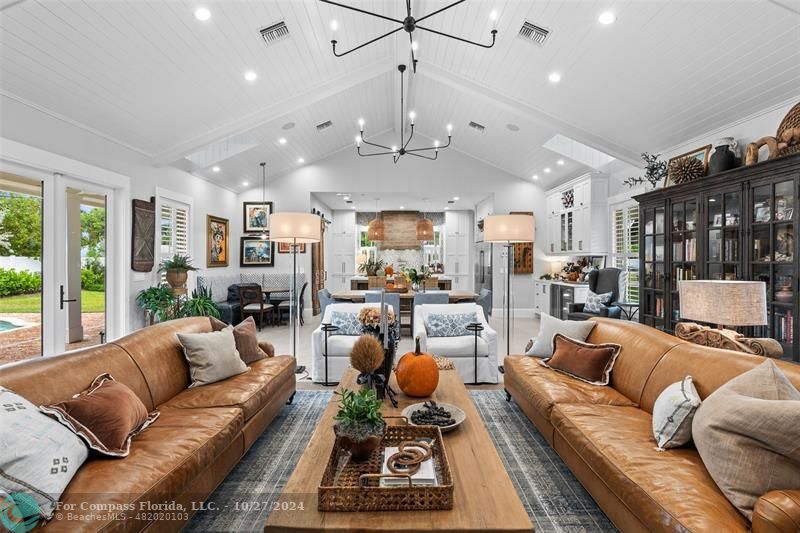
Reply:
x=460, y=349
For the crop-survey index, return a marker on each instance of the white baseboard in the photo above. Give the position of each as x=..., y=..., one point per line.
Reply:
x=516, y=313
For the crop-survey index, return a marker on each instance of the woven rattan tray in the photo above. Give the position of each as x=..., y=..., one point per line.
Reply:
x=351, y=486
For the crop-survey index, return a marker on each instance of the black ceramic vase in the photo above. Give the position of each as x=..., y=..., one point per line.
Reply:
x=721, y=160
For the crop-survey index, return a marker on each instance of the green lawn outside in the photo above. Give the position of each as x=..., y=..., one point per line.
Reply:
x=91, y=302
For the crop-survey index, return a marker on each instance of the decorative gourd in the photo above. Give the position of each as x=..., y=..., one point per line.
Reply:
x=417, y=373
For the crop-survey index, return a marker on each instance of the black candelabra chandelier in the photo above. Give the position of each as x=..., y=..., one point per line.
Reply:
x=397, y=151
x=410, y=25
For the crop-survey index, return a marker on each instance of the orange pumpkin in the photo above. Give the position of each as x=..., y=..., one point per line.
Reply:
x=417, y=374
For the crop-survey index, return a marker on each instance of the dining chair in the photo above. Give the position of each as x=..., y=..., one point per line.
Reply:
x=251, y=300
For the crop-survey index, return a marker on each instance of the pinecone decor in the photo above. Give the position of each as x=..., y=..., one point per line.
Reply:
x=685, y=170
x=367, y=354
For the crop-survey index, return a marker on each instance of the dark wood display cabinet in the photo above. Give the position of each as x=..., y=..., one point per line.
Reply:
x=739, y=224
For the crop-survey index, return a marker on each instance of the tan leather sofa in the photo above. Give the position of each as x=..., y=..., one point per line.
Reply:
x=604, y=434
x=201, y=435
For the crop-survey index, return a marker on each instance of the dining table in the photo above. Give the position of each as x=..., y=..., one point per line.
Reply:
x=454, y=296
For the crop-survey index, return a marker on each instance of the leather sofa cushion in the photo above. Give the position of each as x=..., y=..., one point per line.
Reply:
x=643, y=347
x=49, y=380
x=710, y=368
x=545, y=387
x=457, y=346
x=162, y=462
x=250, y=391
x=666, y=491
x=159, y=355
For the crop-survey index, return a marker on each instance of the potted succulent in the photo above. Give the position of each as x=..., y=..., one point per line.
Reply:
x=177, y=269
x=359, y=423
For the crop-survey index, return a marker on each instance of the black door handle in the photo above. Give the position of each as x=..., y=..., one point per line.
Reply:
x=64, y=300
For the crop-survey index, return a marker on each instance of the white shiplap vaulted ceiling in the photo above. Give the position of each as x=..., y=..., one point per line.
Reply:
x=149, y=75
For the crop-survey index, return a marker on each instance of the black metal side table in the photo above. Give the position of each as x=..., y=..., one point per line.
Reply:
x=629, y=309
x=328, y=329
x=476, y=328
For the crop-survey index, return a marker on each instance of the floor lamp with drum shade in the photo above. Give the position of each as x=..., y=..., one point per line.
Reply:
x=509, y=230
x=295, y=229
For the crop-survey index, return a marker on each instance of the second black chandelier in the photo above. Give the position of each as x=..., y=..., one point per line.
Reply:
x=397, y=151
x=409, y=24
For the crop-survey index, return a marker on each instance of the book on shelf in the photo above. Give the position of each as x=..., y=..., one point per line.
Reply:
x=784, y=328
x=425, y=476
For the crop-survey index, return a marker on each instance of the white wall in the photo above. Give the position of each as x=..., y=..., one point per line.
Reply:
x=745, y=130
x=345, y=171
x=41, y=130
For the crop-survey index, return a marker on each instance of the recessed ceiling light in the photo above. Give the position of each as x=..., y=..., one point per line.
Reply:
x=446, y=208
x=334, y=25
x=512, y=127
x=456, y=198
x=353, y=208
x=301, y=160
x=535, y=177
x=547, y=170
x=250, y=75
x=288, y=126
x=245, y=183
x=554, y=77
x=414, y=46
x=282, y=140
x=346, y=198
x=402, y=207
x=606, y=17
x=560, y=162
x=202, y=14
x=215, y=168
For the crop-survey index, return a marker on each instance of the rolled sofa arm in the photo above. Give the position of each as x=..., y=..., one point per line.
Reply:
x=777, y=512
x=268, y=348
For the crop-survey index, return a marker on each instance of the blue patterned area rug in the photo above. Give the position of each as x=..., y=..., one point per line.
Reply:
x=554, y=499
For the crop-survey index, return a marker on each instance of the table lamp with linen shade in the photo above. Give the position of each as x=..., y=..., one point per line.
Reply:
x=509, y=229
x=729, y=303
x=295, y=228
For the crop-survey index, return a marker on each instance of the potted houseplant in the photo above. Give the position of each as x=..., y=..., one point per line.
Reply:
x=359, y=423
x=200, y=304
x=158, y=303
x=177, y=269
x=371, y=266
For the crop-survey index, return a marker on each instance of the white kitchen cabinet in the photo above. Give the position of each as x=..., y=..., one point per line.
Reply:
x=343, y=237
x=580, y=229
x=541, y=299
x=458, y=248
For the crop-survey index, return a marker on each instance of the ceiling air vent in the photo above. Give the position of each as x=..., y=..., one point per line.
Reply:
x=274, y=32
x=476, y=126
x=324, y=126
x=531, y=32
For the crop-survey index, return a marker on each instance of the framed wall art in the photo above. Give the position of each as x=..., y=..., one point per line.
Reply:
x=143, y=239
x=700, y=154
x=256, y=216
x=256, y=252
x=217, y=241
x=286, y=248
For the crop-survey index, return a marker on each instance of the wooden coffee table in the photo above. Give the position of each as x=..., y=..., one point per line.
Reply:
x=484, y=500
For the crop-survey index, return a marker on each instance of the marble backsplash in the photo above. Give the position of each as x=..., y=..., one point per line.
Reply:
x=401, y=258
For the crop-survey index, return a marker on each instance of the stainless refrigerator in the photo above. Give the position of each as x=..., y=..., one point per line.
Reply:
x=483, y=266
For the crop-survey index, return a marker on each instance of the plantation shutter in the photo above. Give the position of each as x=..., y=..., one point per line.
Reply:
x=625, y=254
x=174, y=230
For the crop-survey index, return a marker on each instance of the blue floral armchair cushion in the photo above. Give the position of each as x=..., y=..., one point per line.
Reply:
x=450, y=324
x=596, y=302
x=347, y=323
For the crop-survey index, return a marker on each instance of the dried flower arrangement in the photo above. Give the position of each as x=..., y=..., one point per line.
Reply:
x=370, y=317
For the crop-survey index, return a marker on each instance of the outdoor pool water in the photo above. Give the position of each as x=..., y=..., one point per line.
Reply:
x=5, y=325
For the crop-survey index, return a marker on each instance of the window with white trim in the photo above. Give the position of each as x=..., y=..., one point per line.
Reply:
x=174, y=230
x=625, y=248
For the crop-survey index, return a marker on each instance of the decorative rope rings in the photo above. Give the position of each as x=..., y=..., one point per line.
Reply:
x=410, y=455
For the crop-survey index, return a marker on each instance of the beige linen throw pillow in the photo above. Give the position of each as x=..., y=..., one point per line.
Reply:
x=212, y=356
x=748, y=435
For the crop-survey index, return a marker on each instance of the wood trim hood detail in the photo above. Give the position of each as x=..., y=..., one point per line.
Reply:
x=400, y=230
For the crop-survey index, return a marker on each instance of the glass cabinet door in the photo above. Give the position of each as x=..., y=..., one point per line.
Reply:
x=683, y=235
x=723, y=235
x=772, y=256
x=653, y=242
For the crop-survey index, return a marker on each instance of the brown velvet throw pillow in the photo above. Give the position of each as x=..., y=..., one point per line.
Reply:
x=107, y=416
x=587, y=362
x=244, y=334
